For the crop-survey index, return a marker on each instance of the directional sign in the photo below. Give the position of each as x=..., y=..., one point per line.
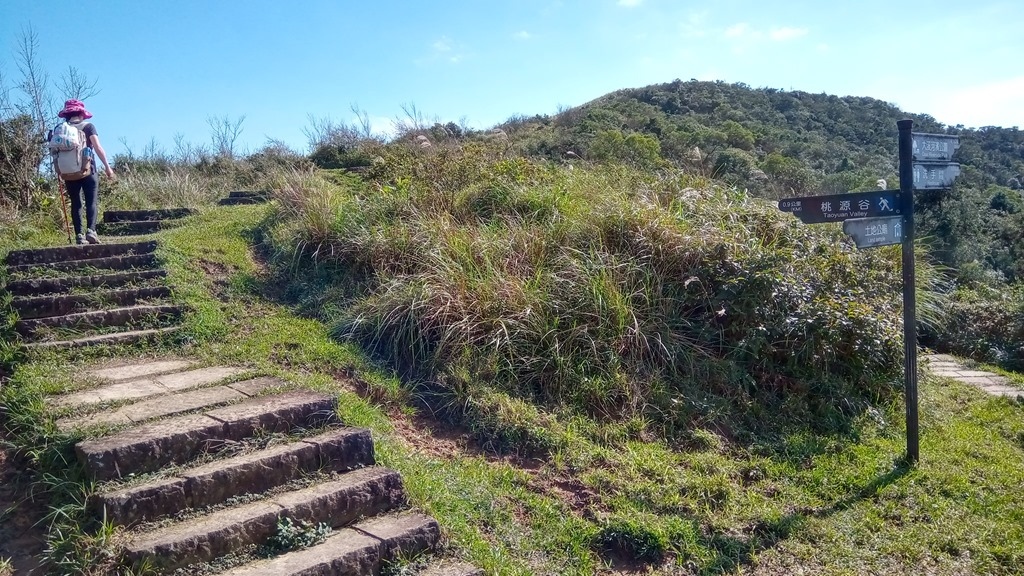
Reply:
x=934, y=175
x=839, y=207
x=934, y=147
x=871, y=232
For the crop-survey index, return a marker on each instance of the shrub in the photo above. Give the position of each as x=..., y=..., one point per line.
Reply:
x=608, y=290
x=985, y=323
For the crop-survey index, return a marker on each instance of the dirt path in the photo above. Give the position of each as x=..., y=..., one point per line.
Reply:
x=22, y=534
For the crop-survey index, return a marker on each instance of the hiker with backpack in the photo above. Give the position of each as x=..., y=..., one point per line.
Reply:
x=74, y=146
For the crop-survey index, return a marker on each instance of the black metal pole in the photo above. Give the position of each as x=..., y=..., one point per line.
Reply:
x=906, y=143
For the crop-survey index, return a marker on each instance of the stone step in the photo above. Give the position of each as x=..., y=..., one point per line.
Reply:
x=180, y=439
x=158, y=385
x=365, y=548
x=46, y=306
x=111, y=339
x=100, y=319
x=37, y=286
x=170, y=404
x=133, y=228
x=83, y=252
x=120, y=263
x=243, y=200
x=249, y=194
x=338, y=450
x=364, y=492
x=134, y=370
x=110, y=216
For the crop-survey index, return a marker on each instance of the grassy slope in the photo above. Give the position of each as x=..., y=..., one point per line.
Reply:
x=825, y=504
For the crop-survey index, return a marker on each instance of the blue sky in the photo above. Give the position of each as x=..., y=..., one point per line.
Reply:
x=165, y=67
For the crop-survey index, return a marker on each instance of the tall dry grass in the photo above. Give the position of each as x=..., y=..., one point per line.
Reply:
x=617, y=292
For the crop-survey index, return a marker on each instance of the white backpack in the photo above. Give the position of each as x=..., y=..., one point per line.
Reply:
x=70, y=152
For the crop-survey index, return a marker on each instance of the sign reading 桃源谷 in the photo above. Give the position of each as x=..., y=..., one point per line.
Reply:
x=839, y=207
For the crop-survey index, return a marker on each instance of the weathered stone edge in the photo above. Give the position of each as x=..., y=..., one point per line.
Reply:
x=337, y=450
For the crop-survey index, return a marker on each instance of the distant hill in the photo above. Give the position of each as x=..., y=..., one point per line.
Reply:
x=778, y=143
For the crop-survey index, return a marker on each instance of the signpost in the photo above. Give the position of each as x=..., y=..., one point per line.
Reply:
x=871, y=232
x=886, y=217
x=934, y=147
x=934, y=175
x=821, y=209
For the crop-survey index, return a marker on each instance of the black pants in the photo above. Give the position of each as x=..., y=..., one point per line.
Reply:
x=90, y=186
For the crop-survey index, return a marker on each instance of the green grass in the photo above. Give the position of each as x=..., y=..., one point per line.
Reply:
x=586, y=491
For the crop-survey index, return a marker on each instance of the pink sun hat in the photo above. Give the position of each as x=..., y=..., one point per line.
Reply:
x=74, y=108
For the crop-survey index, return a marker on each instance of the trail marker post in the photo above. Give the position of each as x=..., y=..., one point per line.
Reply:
x=886, y=217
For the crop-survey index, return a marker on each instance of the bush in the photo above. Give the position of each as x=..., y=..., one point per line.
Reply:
x=985, y=323
x=611, y=291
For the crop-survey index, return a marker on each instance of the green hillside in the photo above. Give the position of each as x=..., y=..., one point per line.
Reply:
x=592, y=344
x=779, y=143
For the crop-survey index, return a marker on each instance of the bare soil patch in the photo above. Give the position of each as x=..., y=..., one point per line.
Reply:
x=22, y=531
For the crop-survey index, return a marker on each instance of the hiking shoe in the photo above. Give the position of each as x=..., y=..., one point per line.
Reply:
x=79, y=239
x=91, y=237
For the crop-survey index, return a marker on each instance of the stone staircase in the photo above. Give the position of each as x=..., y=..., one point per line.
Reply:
x=138, y=222
x=200, y=466
x=245, y=197
x=93, y=294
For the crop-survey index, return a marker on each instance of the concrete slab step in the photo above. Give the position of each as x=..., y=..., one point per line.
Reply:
x=171, y=404
x=37, y=286
x=364, y=492
x=133, y=370
x=83, y=252
x=338, y=450
x=112, y=339
x=365, y=548
x=152, y=386
x=139, y=228
x=47, y=306
x=128, y=316
x=141, y=215
x=242, y=200
x=249, y=194
x=180, y=439
x=81, y=267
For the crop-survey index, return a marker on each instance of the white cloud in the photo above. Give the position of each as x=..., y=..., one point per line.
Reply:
x=740, y=30
x=786, y=33
x=523, y=35
x=695, y=25
x=444, y=49
x=745, y=34
x=630, y=3
x=999, y=103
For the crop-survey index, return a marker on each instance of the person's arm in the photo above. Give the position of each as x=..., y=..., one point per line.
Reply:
x=94, y=142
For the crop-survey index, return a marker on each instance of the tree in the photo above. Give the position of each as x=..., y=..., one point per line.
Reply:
x=74, y=84
x=642, y=150
x=224, y=133
x=23, y=123
x=21, y=153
